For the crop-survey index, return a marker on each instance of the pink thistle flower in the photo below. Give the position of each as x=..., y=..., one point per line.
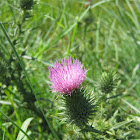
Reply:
x=66, y=76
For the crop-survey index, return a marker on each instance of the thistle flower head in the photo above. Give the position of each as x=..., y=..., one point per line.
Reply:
x=66, y=76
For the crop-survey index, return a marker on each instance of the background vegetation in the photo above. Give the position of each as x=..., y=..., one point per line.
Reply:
x=102, y=34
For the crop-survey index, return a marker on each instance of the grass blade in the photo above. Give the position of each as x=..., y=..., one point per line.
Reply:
x=118, y=125
x=24, y=127
x=16, y=125
x=130, y=105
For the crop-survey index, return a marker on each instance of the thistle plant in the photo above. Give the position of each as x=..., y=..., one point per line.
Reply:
x=66, y=78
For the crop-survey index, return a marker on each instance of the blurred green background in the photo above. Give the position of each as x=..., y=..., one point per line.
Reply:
x=102, y=34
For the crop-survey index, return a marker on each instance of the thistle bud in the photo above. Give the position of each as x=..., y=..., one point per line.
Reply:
x=108, y=82
x=27, y=4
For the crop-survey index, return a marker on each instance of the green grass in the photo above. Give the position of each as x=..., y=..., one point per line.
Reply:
x=104, y=36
